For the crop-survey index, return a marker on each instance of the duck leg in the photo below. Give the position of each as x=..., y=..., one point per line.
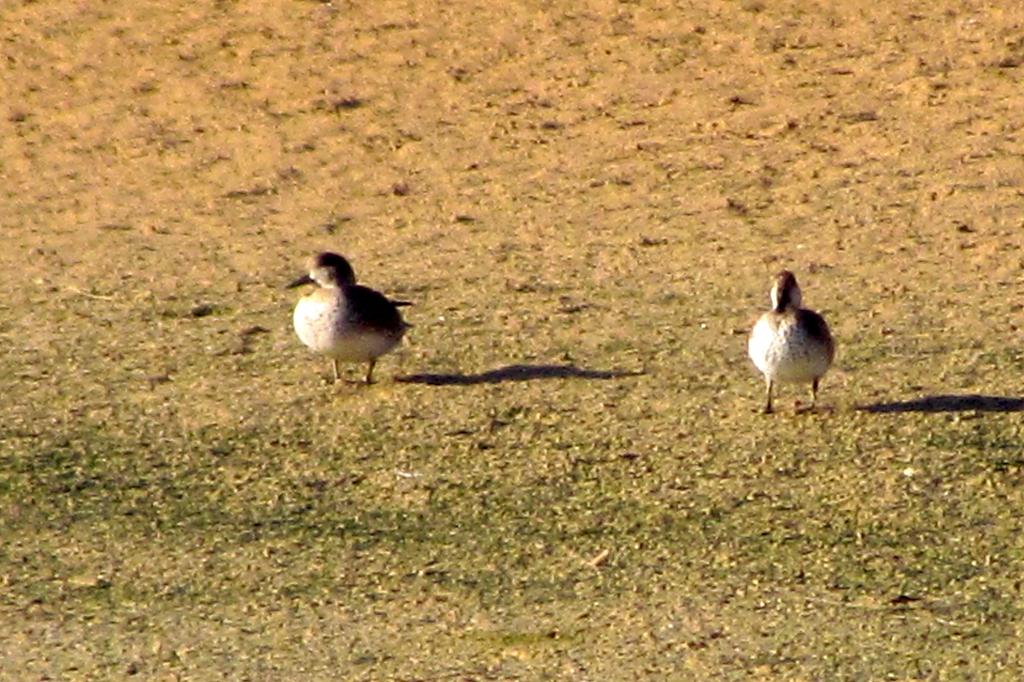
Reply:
x=768, y=396
x=369, y=371
x=337, y=374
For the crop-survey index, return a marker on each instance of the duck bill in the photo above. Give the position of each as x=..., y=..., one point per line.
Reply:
x=305, y=279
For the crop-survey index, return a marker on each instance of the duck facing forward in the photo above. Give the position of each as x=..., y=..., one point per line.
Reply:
x=344, y=320
x=789, y=343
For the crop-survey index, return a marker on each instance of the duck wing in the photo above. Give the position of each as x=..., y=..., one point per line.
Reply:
x=373, y=310
x=817, y=329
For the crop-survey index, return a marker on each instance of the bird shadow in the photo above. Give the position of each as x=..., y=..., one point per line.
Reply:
x=514, y=373
x=949, y=403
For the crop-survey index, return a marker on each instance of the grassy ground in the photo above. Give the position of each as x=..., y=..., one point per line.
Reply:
x=563, y=474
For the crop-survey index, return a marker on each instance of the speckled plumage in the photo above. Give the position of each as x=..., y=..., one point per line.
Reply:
x=790, y=344
x=344, y=320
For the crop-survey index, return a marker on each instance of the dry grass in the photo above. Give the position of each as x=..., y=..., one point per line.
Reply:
x=569, y=480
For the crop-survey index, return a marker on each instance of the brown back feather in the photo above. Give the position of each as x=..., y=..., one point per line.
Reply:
x=817, y=329
x=372, y=309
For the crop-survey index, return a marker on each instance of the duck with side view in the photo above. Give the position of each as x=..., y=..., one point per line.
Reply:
x=790, y=343
x=344, y=320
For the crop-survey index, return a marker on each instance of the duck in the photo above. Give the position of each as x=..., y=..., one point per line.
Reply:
x=344, y=320
x=789, y=343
